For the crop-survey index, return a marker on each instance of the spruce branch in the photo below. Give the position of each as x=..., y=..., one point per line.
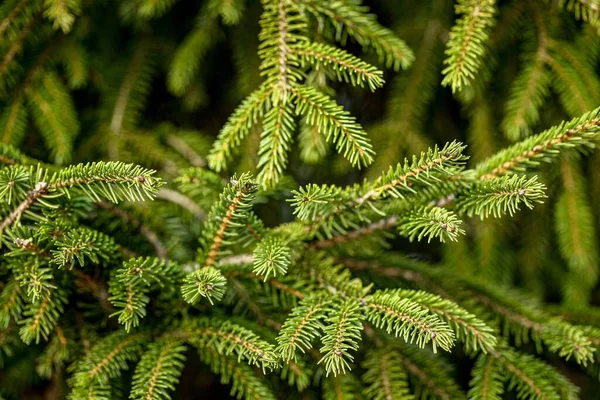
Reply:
x=472, y=331
x=131, y=284
x=82, y=244
x=238, y=126
x=276, y=139
x=158, y=371
x=488, y=377
x=227, y=218
x=344, y=65
x=467, y=42
x=340, y=386
x=575, y=235
x=386, y=376
x=11, y=156
x=527, y=94
x=228, y=338
x=500, y=196
x=13, y=121
x=188, y=56
x=430, y=222
x=271, y=257
x=586, y=10
x=302, y=326
x=330, y=208
x=244, y=381
x=527, y=154
x=41, y=317
x=12, y=303
x=527, y=375
x=353, y=18
x=336, y=123
x=105, y=361
x=429, y=374
x=340, y=336
x=206, y=282
x=408, y=320
x=424, y=171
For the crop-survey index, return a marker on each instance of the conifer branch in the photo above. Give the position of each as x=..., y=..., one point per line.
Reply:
x=229, y=338
x=13, y=121
x=227, y=217
x=469, y=329
x=500, y=196
x=406, y=319
x=530, y=152
x=302, y=326
x=467, y=42
x=345, y=66
x=528, y=93
x=341, y=335
x=238, y=125
x=105, y=361
x=487, y=382
x=244, y=381
x=206, y=282
x=62, y=13
x=386, y=376
x=8, y=19
x=158, y=370
x=430, y=222
x=276, y=139
x=334, y=122
x=352, y=17
x=114, y=181
x=11, y=303
x=429, y=375
x=271, y=257
x=132, y=283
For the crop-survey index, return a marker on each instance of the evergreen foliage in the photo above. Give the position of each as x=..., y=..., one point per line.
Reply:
x=443, y=250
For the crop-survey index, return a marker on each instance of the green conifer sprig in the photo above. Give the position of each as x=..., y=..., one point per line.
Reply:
x=38, y=279
x=334, y=209
x=40, y=317
x=81, y=244
x=134, y=281
x=528, y=153
x=158, y=370
x=386, y=376
x=285, y=53
x=58, y=352
x=468, y=42
x=245, y=384
x=12, y=302
x=408, y=320
x=343, y=65
x=430, y=375
x=488, y=379
x=473, y=332
x=501, y=196
x=430, y=222
x=528, y=93
x=227, y=219
x=332, y=277
x=228, y=338
x=515, y=314
x=351, y=19
x=302, y=326
x=271, y=257
x=206, y=282
x=341, y=336
x=105, y=361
